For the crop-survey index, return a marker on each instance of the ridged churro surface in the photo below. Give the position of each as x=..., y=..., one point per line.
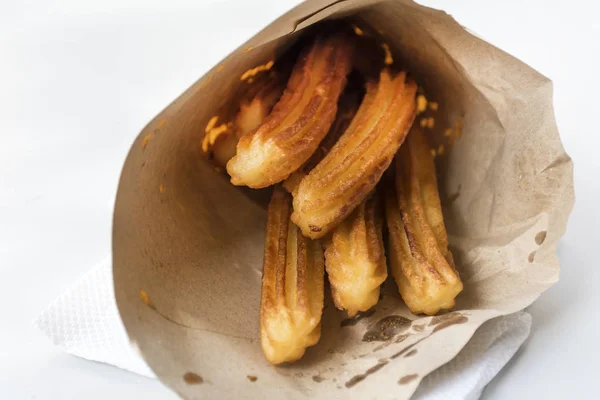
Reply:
x=355, y=258
x=419, y=257
x=354, y=165
x=299, y=121
x=292, y=286
x=347, y=107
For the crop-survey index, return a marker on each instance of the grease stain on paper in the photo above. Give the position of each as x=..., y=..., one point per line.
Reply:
x=458, y=320
x=407, y=379
x=386, y=328
x=446, y=320
x=540, y=237
x=192, y=379
x=411, y=353
x=360, y=377
x=399, y=339
x=408, y=348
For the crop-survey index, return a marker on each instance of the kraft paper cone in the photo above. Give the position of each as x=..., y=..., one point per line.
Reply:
x=188, y=246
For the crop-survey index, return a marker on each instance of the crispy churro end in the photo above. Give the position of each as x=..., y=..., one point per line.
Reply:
x=420, y=260
x=281, y=144
x=292, y=286
x=355, y=259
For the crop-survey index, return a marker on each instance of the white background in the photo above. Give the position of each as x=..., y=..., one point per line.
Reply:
x=79, y=79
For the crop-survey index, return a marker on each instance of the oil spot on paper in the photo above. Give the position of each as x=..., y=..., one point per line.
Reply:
x=540, y=237
x=407, y=379
x=192, y=379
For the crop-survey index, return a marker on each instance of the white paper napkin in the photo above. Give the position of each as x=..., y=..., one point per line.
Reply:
x=85, y=322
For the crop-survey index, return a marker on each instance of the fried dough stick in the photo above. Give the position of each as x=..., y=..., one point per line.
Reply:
x=347, y=107
x=348, y=173
x=292, y=286
x=299, y=121
x=355, y=258
x=354, y=252
x=420, y=260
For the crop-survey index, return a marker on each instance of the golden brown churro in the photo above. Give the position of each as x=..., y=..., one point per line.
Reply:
x=299, y=121
x=355, y=258
x=292, y=286
x=352, y=168
x=419, y=257
x=347, y=107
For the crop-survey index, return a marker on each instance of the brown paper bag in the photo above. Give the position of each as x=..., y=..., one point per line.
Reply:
x=188, y=245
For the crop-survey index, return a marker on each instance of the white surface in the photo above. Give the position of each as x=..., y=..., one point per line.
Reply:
x=84, y=321
x=78, y=80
